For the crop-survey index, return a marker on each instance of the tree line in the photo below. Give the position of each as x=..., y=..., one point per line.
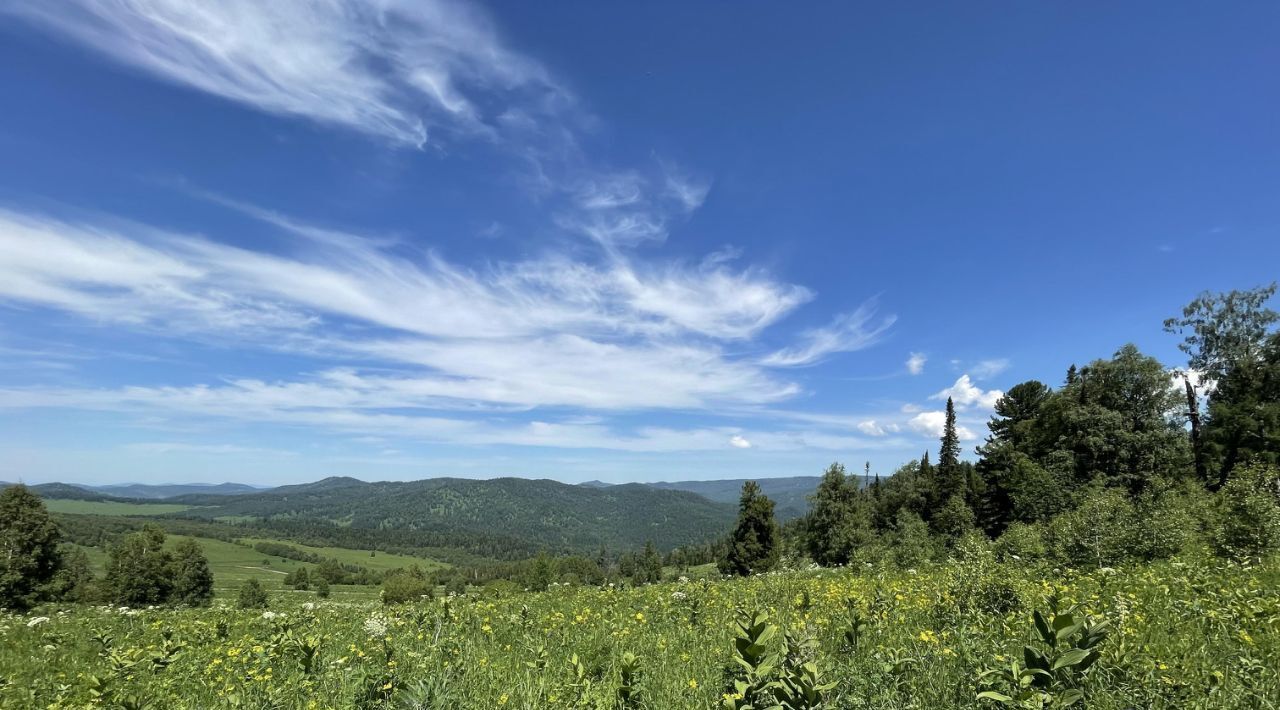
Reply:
x=1115, y=463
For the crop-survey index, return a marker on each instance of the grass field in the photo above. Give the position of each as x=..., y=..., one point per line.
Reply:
x=233, y=563
x=1193, y=633
x=379, y=561
x=103, y=507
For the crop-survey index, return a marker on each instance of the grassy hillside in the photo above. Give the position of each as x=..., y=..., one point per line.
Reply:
x=105, y=507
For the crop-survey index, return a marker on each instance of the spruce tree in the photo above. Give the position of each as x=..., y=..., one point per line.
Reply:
x=949, y=477
x=192, y=578
x=754, y=544
x=29, y=556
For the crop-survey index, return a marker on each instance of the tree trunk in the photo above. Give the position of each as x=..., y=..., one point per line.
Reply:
x=1193, y=413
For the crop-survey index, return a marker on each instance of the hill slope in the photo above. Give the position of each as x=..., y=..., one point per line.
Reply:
x=529, y=514
x=790, y=495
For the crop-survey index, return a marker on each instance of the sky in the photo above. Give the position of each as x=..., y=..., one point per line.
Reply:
x=397, y=239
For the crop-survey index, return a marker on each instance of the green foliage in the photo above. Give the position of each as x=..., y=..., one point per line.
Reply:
x=252, y=595
x=321, y=587
x=754, y=545
x=1063, y=648
x=29, y=555
x=839, y=524
x=409, y=585
x=1020, y=542
x=1247, y=513
x=140, y=570
x=909, y=543
x=191, y=576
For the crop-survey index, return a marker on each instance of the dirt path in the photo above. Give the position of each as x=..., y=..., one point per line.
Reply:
x=262, y=569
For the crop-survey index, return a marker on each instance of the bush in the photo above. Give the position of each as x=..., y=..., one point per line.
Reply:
x=1020, y=542
x=1100, y=533
x=252, y=595
x=1246, y=521
x=321, y=587
x=405, y=586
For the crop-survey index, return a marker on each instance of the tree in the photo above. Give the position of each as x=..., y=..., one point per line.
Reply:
x=321, y=587
x=192, y=579
x=139, y=569
x=839, y=522
x=29, y=556
x=950, y=479
x=1226, y=329
x=1243, y=420
x=1227, y=332
x=252, y=595
x=648, y=567
x=753, y=545
x=405, y=585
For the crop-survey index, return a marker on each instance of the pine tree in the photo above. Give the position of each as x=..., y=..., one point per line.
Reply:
x=753, y=546
x=950, y=480
x=192, y=578
x=29, y=556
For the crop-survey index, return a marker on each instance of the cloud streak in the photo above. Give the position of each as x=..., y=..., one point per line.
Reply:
x=393, y=69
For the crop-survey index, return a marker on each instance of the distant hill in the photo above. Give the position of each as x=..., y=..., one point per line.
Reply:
x=514, y=511
x=790, y=495
x=147, y=491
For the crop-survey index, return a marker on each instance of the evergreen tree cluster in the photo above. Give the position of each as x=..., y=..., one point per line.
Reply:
x=1116, y=441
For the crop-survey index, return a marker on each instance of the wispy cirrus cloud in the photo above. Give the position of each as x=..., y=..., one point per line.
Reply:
x=848, y=332
x=394, y=69
x=408, y=341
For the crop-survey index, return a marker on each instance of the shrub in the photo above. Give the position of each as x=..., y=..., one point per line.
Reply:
x=405, y=586
x=252, y=595
x=1020, y=542
x=1246, y=521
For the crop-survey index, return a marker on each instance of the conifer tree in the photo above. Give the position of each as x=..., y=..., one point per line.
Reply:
x=754, y=544
x=29, y=556
x=949, y=475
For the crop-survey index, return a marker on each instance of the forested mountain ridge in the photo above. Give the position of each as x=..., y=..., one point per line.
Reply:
x=790, y=494
x=547, y=513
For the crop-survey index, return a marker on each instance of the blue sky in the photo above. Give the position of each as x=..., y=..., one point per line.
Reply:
x=271, y=242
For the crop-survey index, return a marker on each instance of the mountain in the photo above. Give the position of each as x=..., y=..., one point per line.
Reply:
x=481, y=514
x=67, y=491
x=148, y=491
x=790, y=495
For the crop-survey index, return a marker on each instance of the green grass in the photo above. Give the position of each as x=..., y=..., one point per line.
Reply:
x=379, y=561
x=1194, y=633
x=232, y=564
x=102, y=507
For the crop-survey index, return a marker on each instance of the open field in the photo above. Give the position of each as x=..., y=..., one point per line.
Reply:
x=233, y=563
x=1189, y=633
x=103, y=507
x=378, y=561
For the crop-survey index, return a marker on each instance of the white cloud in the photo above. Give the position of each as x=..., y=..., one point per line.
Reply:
x=394, y=69
x=915, y=363
x=871, y=427
x=933, y=423
x=848, y=332
x=989, y=368
x=738, y=442
x=965, y=394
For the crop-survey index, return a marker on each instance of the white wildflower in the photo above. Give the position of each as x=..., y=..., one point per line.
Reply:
x=37, y=621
